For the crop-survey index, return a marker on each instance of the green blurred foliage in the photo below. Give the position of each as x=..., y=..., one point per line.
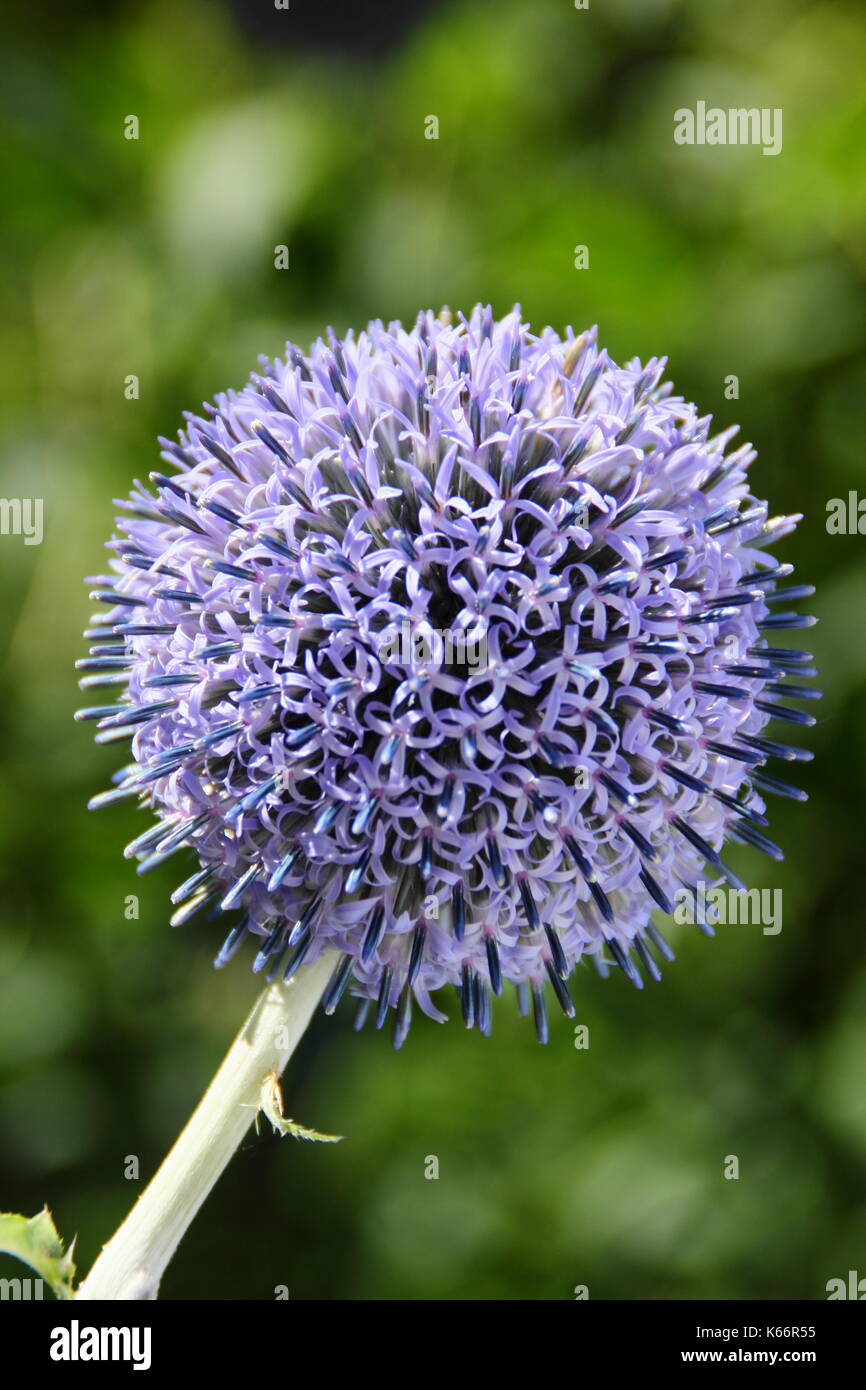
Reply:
x=557, y=1167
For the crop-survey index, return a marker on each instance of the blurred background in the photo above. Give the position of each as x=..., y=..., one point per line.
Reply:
x=154, y=257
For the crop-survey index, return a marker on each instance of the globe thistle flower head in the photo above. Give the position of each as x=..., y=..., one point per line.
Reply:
x=449, y=648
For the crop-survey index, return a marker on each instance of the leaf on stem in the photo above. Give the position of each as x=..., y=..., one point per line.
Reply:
x=35, y=1241
x=271, y=1105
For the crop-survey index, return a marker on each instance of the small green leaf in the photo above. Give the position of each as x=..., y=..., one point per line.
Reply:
x=35, y=1241
x=301, y=1132
x=271, y=1105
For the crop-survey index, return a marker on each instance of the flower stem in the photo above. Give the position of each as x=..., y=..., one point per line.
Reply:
x=134, y=1260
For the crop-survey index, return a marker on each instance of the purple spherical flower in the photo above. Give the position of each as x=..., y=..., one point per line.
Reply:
x=448, y=648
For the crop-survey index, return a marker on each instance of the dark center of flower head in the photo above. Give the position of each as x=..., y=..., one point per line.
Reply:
x=448, y=648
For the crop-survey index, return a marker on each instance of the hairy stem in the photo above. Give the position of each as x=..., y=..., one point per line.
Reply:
x=134, y=1260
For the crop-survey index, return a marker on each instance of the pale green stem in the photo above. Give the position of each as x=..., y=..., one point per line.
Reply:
x=134, y=1260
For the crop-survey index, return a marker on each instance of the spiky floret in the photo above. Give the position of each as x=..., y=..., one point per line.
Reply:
x=449, y=648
